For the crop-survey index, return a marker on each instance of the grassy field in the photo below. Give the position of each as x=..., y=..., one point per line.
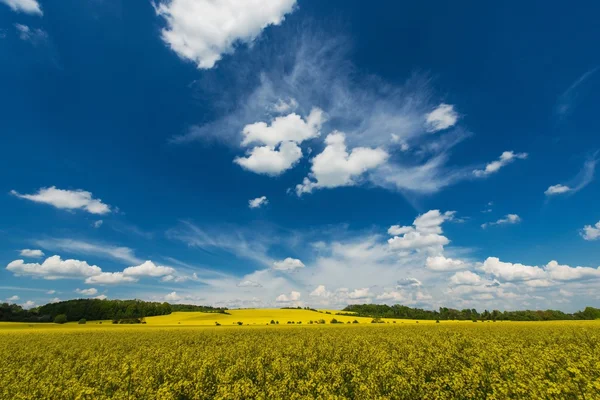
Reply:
x=540, y=360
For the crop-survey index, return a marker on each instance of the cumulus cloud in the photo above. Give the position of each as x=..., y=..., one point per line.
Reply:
x=289, y=264
x=271, y=160
x=87, y=292
x=359, y=293
x=24, y=6
x=97, y=224
x=590, y=232
x=537, y=276
x=425, y=234
x=13, y=298
x=557, y=189
x=509, y=219
x=203, y=30
x=292, y=297
x=33, y=253
x=465, y=278
x=173, y=296
x=290, y=128
x=54, y=268
x=443, y=117
x=110, y=278
x=149, y=269
x=101, y=297
x=336, y=167
x=442, y=264
x=66, y=199
x=506, y=158
x=408, y=282
x=28, y=304
x=249, y=283
x=258, y=202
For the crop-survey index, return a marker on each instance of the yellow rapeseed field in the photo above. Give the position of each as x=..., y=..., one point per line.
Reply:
x=503, y=360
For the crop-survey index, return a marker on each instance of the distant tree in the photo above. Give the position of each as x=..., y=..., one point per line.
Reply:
x=240, y=323
x=60, y=319
x=355, y=322
x=82, y=321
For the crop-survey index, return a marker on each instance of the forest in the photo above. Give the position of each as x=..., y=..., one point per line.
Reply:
x=444, y=313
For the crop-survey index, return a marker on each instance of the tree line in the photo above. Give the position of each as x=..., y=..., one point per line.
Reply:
x=96, y=309
x=445, y=313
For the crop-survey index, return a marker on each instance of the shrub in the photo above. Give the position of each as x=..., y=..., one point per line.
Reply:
x=355, y=322
x=60, y=319
x=240, y=323
x=437, y=321
x=82, y=321
x=272, y=322
x=217, y=324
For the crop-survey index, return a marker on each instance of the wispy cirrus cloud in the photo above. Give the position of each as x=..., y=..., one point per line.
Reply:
x=580, y=181
x=566, y=101
x=74, y=246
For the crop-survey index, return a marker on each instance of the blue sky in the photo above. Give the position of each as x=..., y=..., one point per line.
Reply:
x=300, y=153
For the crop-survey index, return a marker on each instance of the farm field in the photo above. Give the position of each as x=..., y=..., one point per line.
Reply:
x=558, y=360
x=261, y=317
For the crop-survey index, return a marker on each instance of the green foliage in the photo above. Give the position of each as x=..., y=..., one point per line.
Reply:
x=82, y=321
x=402, y=312
x=192, y=307
x=60, y=319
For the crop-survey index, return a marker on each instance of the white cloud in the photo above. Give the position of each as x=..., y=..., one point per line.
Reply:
x=443, y=117
x=557, y=189
x=336, y=167
x=110, y=278
x=32, y=253
x=66, y=199
x=442, y=264
x=566, y=273
x=396, y=230
x=249, y=283
x=283, y=106
x=289, y=264
x=55, y=300
x=408, y=282
x=506, y=158
x=87, y=292
x=203, y=30
x=591, y=232
x=28, y=34
x=581, y=180
x=290, y=128
x=148, y=268
x=271, y=160
x=173, y=296
x=28, y=304
x=13, y=298
x=54, y=268
x=465, y=278
x=258, y=202
x=432, y=220
x=392, y=296
x=511, y=272
x=509, y=219
x=97, y=249
x=417, y=241
x=97, y=224
x=359, y=293
x=51, y=292
x=293, y=297
x=25, y=6
x=320, y=291
x=101, y=297
x=425, y=234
